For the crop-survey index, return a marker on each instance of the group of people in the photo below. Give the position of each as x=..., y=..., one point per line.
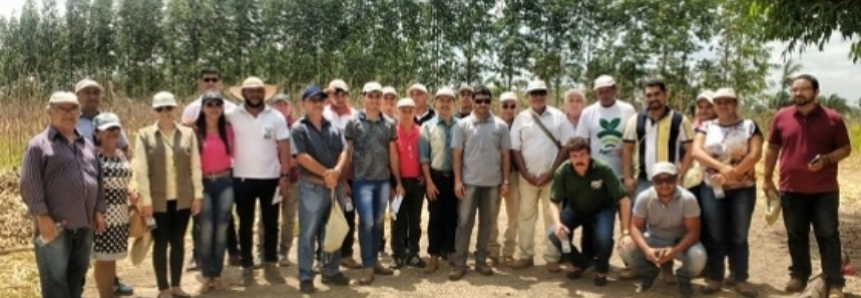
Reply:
x=682, y=190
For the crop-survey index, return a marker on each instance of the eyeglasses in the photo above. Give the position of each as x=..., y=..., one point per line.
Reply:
x=210, y=80
x=664, y=180
x=214, y=104
x=538, y=93
x=482, y=101
x=509, y=106
x=164, y=109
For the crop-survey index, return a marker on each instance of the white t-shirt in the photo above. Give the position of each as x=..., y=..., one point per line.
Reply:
x=603, y=127
x=538, y=150
x=256, y=150
x=192, y=110
x=729, y=144
x=340, y=121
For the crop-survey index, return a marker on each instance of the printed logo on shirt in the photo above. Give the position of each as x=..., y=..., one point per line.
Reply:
x=596, y=184
x=610, y=136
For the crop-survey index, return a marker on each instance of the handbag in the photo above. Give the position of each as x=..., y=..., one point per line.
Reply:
x=336, y=227
x=546, y=132
x=137, y=226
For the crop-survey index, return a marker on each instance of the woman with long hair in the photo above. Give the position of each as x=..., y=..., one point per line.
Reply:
x=216, y=153
x=728, y=149
x=167, y=170
x=112, y=244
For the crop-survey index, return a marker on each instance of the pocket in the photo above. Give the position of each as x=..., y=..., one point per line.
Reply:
x=268, y=132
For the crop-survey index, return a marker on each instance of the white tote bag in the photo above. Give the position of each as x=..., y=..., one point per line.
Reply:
x=336, y=227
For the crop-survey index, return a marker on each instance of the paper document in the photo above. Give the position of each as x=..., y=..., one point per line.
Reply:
x=395, y=206
x=278, y=197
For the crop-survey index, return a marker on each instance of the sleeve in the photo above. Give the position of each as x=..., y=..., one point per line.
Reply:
x=457, y=137
x=614, y=186
x=504, y=137
x=298, y=138
x=557, y=189
x=686, y=133
x=191, y=112
x=566, y=130
x=141, y=171
x=282, y=131
x=31, y=184
x=424, y=144
x=754, y=129
x=841, y=135
x=350, y=129
x=516, y=129
x=101, y=203
x=582, y=130
x=774, y=138
x=702, y=128
x=393, y=131
x=641, y=204
x=196, y=171
x=630, y=133
x=691, y=208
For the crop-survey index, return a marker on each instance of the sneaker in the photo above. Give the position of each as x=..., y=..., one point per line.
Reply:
x=574, y=273
x=179, y=293
x=396, y=263
x=337, y=279
x=711, y=287
x=218, y=284
x=647, y=284
x=307, y=286
x=795, y=285
x=523, y=263
x=508, y=261
x=628, y=274
x=493, y=261
x=121, y=289
x=284, y=262
x=272, y=275
x=351, y=263
x=416, y=262
x=686, y=291
x=205, y=286
x=835, y=292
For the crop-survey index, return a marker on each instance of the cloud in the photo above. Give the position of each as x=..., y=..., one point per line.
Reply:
x=832, y=66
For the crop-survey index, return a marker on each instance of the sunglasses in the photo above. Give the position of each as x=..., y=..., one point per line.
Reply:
x=482, y=101
x=664, y=180
x=538, y=93
x=164, y=109
x=214, y=104
x=210, y=80
x=509, y=106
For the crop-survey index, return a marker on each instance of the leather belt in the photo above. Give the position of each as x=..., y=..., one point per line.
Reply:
x=216, y=175
x=442, y=173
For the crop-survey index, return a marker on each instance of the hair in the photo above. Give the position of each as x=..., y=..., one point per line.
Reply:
x=200, y=124
x=574, y=91
x=656, y=83
x=578, y=144
x=810, y=78
x=209, y=71
x=481, y=90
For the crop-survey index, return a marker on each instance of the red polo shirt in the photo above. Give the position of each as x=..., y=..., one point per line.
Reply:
x=408, y=151
x=800, y=138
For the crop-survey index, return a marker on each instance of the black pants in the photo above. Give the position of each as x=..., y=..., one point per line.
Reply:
x=442, y=224
x=820, y=210
x=247, y=192
x=170, y=231
x=407, y=227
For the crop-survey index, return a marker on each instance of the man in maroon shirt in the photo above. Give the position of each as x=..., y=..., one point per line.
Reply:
x=810, y=140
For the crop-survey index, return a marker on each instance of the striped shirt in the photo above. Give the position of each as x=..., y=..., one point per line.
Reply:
x=656, y=144
x=62, y=179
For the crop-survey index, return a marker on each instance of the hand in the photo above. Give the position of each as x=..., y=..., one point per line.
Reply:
x=399, y=190
x=728, y=172
x=544, y=178
x=133, y=198
x=666, y=256
x=431, y=191
x=718, y=180
x=769, y=186
x=283, y=183
x=503, y=189
x=529, y=177
x=653, y=255
x=99, y=223
x=195, y=207
x=631, y=185
x=146, y=211
x=458, y=190
x=562, y=232
x=331, y=178
x=47, y=228
x=816, y=166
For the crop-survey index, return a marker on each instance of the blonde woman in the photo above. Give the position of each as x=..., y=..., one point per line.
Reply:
x=168, y=173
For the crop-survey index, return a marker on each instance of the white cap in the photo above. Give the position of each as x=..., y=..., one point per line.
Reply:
x=390, y=90
x=339, y=84
x=406, y=103
x=707, y=96
x=537, y=85
x=724, y=93
x=507, y=96
x=664, y=168
x=604, y=81
x=445, y=91
x=372, y=87
x=61, y=97
x=105, y=121
x=465, y=87
x=417, y=86
x=163, y=99
x=87, y=83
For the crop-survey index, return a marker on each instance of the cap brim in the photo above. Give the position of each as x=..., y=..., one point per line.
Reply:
x=507, y=99
x=663, y=172
x=156, y=106
x=603, y=86
x=536, y=89
x=109, y=126
x=321, y=93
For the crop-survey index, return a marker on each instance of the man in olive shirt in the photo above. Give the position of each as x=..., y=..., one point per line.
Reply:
x=586, y=192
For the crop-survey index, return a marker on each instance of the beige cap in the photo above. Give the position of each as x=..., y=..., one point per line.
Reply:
x=339, y=84
x=163, y=99
x=87, y=83
x=707, y=96
x=465, y=87
x=664, y=168
x=372, y=87
x=390, y=90
x=61, y=97
x=406, y=103
x=724, y=93
x=445, y=91
x=507, y=96
x=537, y=85
x=417, y=86
x=604, y=81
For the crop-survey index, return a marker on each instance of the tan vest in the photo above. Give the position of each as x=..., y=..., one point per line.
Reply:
x=157, y=165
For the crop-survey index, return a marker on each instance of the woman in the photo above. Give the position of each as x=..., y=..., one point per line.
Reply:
x=112, y=245
x=215, y=137
x=728, y=149
x=167, y=169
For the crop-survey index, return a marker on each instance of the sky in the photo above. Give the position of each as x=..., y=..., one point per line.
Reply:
x=832, y=66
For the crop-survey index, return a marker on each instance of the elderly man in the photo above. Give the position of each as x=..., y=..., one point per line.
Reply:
x=262, y=164
x=507, y=110
x=464, y=95
x=62, y=187
x=481, y=146
x=536, y=138
x=575, y=101
x=665, y=226
x=321, y=154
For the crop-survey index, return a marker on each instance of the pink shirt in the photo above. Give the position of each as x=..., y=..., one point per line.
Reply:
x=214, y=157
x=408, y=151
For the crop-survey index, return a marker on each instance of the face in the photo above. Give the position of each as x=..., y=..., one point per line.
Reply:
x=108, y=136
x=421, y=98
x=725, y=106
x=444, y=105
x=705, y=110
x=64, y=116
x=406, y=114
x=339, y=98
x=507, y=109
x=665, y=184
x=606, y=94
x=537, y=99
x=465, y=97
x=389, y=102
x=574, y=104
x=655, y=99
x=283, y=107
x=580, y=159
x=481, y=104
x=209, y=81
x=802, y=92
x=90, y=99
x=254, y=96
x=314, y=106
x=165, y=113
x=213, y=109
x=372, y=100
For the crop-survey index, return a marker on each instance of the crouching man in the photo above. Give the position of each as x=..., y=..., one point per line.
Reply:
x=665, y=226
x=586, y=192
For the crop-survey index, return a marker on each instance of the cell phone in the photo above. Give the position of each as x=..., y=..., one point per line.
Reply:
x=816, y=159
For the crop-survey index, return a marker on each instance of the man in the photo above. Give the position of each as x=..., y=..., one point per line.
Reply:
x=810, y=140
x=419, y=94
x=371, y=143
x=390, y=100
x=262, y=164
x=464, y=95
x=322, y=156
x=61, y=185
x=89, y=96
x=436, y=160
x=407, y=222
x=536, y=137
x=339, y=112
x=665, y=226
x=602, y=123
x=656, y=134
x=575, y=101
x=210, y=79
x=507, y=110
x=481, y=145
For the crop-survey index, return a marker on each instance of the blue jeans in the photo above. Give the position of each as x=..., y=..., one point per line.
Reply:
x=213, y=221
x=370, y=198
x=63, y=263
x=693, y=260
x=314, y=208
x=727, y=226
x=800, y=211
x=602, y=225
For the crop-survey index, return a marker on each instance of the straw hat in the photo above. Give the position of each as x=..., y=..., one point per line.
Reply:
x=253, y=82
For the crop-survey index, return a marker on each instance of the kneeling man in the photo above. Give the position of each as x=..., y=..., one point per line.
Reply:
x=665, y=226
x=586, y=192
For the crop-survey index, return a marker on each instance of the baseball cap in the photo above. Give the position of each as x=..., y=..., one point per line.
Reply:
x=339, y=84
x=163, y=99
x=663, y=168
x=707, y=96
x=313, y=90
x=417, y=86
x=724, y=93
x=537, y=85
x=61, y=97
x=406, y=103
x=87, y=83
x=465, y=87
x=390, y=90
x=508, y=96
x=444, y=91
x=105, y=121
x=281, y=97
x=372, y=87
x=604, y=81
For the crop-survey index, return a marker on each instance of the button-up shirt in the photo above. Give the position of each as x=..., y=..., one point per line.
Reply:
x=371, y=139
x=482, y=142
x=62, y=179
x=539, y=151
x=435, y=143
x=408, y=151
x=324, y=145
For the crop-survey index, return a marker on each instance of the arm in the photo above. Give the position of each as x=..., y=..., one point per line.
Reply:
x=196, y=172
x=618, y=192
x=771, y=152
x=394, y=162
x=458, y=142
x=841, y=142
x=753, y=156
x=284, y=156
x=101, y=203
x=638, y=225
x=141, y=169
x=123, y=144
x=506, y=166
x=629, y=139
x=425, y=153
x=457, y=164
x=516, y=145
x=692, y=236
x=699, y=152
x=505, y=145
x=32, y=186
x=309, y=163
x=687, y=134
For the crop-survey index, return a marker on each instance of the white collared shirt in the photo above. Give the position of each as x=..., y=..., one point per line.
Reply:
x=539, y=151
x=192, y=110
x=339, y=121
x=256, y=149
